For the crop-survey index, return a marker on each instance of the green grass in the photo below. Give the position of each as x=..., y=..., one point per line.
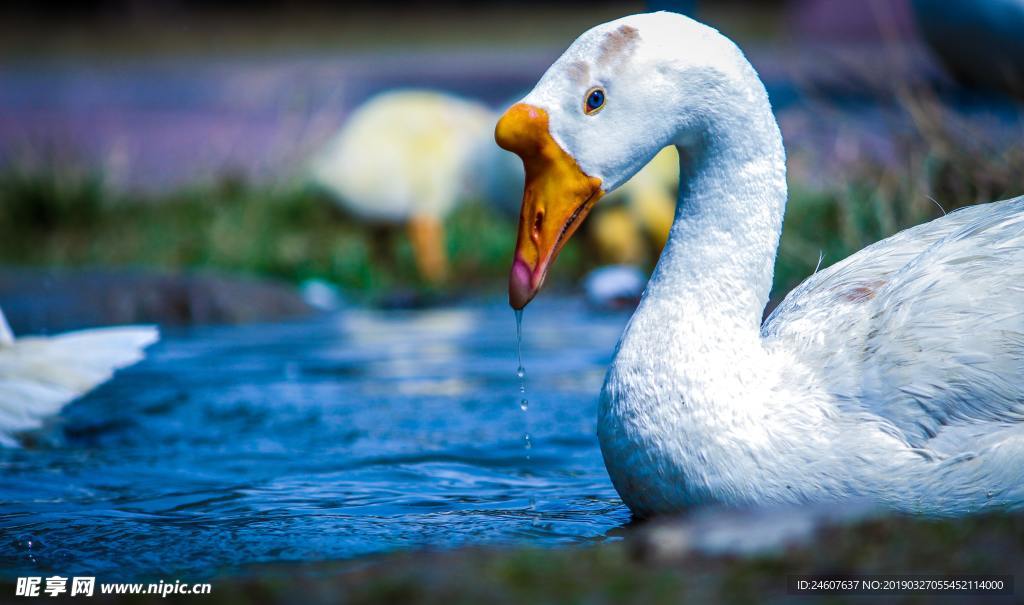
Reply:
x=61, y=218
x=288, y=231
x=945, y=162
x=624, y=572
x=294, y=233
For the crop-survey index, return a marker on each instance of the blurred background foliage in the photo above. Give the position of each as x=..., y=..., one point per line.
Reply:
x=72, y=218
x=944, y=163
x=81, y=188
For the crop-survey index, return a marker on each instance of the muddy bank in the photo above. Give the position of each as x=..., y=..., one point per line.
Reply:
x=40, y=301
x=638, y=570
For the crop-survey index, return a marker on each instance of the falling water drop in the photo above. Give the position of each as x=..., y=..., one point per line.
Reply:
x=524, y=403
x=520, y=371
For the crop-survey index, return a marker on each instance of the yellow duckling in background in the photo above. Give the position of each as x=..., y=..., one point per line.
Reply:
x=402, y=158
x=633, y=228
x=629, y=234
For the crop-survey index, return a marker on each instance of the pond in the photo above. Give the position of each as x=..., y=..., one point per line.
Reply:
x=345, y=435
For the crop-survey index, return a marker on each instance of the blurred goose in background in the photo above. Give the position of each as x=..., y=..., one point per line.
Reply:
x=894, y=376
x=402, y=158
x=39, y=375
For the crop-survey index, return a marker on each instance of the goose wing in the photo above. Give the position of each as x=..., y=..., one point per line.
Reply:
x=924, y=329
x=40, y=375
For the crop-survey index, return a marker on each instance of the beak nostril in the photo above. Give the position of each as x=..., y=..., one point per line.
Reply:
x=538, y=220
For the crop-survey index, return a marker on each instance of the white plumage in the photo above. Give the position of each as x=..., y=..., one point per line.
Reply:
x=896, y=375
x=40, y=375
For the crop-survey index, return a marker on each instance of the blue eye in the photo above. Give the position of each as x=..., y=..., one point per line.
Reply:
x=595, y=101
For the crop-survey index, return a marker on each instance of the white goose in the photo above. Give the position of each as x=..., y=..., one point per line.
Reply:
x=39, y=375
x=896, y=375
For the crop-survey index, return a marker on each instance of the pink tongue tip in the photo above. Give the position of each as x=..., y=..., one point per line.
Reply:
x=519, y=289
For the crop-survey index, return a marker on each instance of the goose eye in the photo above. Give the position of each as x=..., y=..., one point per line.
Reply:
x=594, y=101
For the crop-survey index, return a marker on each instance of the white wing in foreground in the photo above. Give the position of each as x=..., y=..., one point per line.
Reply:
x=40, y=375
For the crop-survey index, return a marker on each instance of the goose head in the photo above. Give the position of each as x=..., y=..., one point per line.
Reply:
x=623, y=91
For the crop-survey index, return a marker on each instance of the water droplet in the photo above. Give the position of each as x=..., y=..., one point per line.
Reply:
x=520, y=371
x=519, y=336
x=524, y=403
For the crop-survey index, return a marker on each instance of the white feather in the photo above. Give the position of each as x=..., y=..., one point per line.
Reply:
x=40, y=375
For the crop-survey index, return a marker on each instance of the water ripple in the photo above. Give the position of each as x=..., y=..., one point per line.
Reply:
x=338, y=437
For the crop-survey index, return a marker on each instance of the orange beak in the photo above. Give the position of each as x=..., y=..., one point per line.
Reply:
x=557, y=197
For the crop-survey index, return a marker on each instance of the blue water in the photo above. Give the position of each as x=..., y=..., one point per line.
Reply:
x=349, y=434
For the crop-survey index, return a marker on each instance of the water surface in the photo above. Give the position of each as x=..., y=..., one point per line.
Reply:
x=349, y=434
